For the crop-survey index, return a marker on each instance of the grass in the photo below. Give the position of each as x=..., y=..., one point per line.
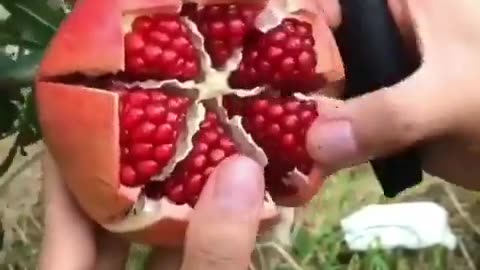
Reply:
x=317, y=243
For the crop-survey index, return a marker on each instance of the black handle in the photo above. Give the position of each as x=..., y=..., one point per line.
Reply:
x=375, y=56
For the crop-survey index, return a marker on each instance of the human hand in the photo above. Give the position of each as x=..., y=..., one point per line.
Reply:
x=437, y=106
x=221, y=234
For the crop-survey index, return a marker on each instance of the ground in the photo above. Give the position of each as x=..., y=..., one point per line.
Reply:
x=316, y=244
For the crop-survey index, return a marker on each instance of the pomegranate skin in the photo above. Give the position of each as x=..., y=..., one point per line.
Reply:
x=80, y=124
x=80, y=46
x=83, y=142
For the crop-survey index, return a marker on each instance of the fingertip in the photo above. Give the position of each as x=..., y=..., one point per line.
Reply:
x=235, y=188
x=228, y=211
x=332, y=12
x=240, y=166
x=332, y=143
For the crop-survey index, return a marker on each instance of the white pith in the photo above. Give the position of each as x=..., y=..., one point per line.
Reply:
x=208, y=93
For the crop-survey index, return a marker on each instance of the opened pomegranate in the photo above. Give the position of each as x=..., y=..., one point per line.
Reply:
x=139, y=101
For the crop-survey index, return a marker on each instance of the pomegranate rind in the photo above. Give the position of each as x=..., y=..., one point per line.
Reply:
x=306, y=187
x=80, y=126
x=330, y=63
x=89, y=41
x=81, y=46
x=171, y=224
x=171, y=232
x=213, y=2
x=171, y=6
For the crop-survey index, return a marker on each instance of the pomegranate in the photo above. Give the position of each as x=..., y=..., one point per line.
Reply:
x=139, y=101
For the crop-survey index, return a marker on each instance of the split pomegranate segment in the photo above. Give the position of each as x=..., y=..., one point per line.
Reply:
x=224, y=28
x=151, y=122
x=278, y=125
x=212, y=145
x=283, y=58
x=159, y=47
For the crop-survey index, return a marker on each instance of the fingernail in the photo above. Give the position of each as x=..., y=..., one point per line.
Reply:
x=332, y=143
x=239, y=185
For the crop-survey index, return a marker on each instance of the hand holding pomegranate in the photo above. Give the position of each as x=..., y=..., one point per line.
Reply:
x=140, y=101
x=437, y=107
x=221, y=234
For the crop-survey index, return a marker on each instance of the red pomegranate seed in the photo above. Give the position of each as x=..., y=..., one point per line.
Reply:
x=141, y=151
x=176, y=194
x=128, y=176
x=146, y=168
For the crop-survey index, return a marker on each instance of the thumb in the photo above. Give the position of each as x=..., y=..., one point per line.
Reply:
x=224, y=224
x=380, y=123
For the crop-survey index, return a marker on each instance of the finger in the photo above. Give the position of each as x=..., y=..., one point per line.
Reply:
x=224, y=224
x=459, y=166
x=380, y=123
x=71, y=240
x=333, y=14
x=432, y=102
x=68, y=241
x=112, y=251
x=164, y=259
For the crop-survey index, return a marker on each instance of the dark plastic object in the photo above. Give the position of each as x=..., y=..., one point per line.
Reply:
x=375, y=56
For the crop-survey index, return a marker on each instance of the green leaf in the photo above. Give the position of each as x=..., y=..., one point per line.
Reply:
x=46, y=16
x=19, y=73
x=29, y=131
x=32, y=20
x=12, y=39
x=304, y=244
x=8, y=114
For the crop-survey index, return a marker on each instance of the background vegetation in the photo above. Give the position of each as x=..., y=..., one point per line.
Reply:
x=316, y=244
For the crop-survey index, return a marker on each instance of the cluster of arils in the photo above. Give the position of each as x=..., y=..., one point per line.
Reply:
x=161, y=47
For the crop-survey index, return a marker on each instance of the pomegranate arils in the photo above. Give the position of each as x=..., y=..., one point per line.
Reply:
x=149, y=136
x=278, y=125
x=224, y=27
x=128, y=175
x=211, y=146
x=283, y=58
x=160, y=47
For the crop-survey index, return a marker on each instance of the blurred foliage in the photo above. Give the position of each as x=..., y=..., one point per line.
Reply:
x=24, y=35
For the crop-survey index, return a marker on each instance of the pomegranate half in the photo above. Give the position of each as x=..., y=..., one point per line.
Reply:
x=139, y=101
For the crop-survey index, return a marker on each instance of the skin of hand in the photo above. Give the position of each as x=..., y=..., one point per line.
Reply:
x=221, y=234
x=436, y=108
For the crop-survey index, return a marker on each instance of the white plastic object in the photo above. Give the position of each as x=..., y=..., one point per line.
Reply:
x=412, y=225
